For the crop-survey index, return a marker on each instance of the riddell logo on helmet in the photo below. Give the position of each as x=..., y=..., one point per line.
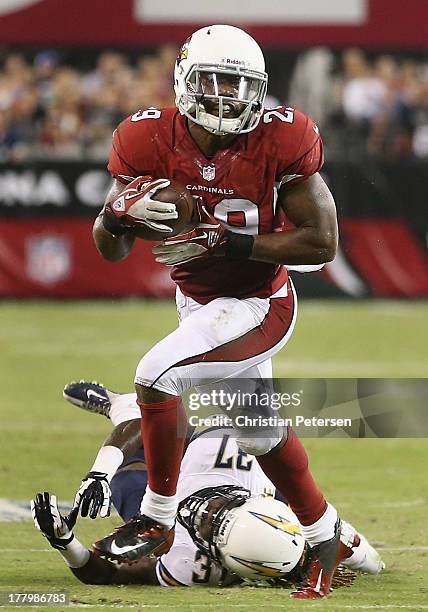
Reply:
x=235, y=62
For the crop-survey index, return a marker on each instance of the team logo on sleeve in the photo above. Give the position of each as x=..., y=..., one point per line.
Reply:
x=208, y=173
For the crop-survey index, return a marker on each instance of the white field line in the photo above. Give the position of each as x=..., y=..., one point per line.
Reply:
x=419, y=501
x=17, y=511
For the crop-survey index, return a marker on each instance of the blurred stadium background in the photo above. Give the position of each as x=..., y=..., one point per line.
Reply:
x=70, y=70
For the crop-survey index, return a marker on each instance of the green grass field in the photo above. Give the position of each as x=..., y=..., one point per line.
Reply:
x=379, y=485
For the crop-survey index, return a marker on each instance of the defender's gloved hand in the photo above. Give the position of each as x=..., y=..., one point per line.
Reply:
x=94, y=496
x=47, y=519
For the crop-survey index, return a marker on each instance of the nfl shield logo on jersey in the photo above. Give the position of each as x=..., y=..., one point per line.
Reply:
x=208, y=173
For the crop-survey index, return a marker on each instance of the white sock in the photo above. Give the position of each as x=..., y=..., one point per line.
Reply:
x=124, y=407
x=161, y=508
x=323, y=529
x=75, y=555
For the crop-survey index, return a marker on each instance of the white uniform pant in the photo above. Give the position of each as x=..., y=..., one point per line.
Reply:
x=226, y=338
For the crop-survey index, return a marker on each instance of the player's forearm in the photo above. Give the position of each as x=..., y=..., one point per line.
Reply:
x=101, y=571
x=126, y=437
x=112, y=248
x=303, y=245
x=123, y=442
x=87, y=567
x=96, y=571
x=93, y=497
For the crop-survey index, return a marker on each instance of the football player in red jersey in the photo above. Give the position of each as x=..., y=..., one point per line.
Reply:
x=236, y=303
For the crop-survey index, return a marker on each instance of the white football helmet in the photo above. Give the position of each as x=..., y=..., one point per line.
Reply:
x=220, y=80
x=256, y=537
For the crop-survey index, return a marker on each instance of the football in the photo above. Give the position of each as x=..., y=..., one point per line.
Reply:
x=179, y=195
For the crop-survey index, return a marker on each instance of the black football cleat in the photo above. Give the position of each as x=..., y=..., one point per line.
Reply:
x=140, y=537
x=90, y=396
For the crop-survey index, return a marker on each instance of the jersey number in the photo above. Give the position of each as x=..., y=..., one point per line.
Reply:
x=241, y=459
x=240, y=216
x=286, y=116
x=150, y=113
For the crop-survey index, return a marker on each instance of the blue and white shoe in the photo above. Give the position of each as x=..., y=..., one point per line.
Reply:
x=90, y=396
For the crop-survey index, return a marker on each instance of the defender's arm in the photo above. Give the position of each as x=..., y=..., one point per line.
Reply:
x=101, y=571
x=84, y=564
x=93, y=497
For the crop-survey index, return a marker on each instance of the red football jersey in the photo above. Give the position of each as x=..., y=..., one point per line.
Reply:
x=239, y=186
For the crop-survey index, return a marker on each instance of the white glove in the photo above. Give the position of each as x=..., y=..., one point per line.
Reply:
x=47, y=519
x=93, y=496
x=136, y=206
x=204, y=239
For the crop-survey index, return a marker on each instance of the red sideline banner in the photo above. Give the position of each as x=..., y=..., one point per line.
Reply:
x=56, y=257
x=387, y=256
x=334, y=23
x=379, y=258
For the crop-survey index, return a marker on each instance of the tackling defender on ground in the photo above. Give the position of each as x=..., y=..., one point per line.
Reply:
x=233, y=504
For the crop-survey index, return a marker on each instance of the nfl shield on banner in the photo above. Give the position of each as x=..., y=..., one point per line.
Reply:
x=48, y=258
x=208, y=173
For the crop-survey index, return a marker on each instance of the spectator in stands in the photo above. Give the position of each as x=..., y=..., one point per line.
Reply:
x=112, y=70
x=384, y=128
x=311, y=85
x=420, y=123
x=363, y=96
x=400, y=129
x=10, y=142
x=44, y=67
x=364, y=92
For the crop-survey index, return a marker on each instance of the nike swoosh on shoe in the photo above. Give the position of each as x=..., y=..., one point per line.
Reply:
x=91, y=393
x=121, y=550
